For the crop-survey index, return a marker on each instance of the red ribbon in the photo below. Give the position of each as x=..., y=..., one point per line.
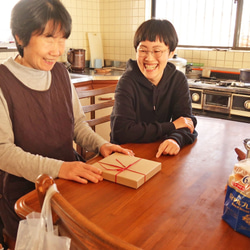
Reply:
x=121, y=169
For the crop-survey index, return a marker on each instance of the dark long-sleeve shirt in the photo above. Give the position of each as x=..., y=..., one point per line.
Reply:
x=143, y=112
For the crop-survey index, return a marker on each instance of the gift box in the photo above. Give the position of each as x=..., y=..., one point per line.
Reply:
x=127, y=170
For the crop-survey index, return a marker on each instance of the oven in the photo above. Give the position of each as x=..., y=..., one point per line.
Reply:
x=240, y=105
x=217, y=101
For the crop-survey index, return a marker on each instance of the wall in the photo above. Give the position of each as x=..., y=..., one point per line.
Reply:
x=117, y=21
x=212, y=58
x=85, y=18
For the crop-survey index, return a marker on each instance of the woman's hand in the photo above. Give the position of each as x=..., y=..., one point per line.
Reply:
x=184, y=122
x=168, y=147
x=108, y=148
x=80, y=172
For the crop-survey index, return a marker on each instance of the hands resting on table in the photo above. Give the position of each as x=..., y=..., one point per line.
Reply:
x=83, y=172
x=170, y=146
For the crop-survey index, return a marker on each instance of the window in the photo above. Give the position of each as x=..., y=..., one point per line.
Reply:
x=5, y=32
x=207, y=23
x=244, y=36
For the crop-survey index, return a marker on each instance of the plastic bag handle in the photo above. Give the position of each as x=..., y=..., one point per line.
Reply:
x=46, y=213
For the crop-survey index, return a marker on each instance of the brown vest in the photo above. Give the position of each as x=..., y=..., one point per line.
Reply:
x=43, y=121
x=43, y=124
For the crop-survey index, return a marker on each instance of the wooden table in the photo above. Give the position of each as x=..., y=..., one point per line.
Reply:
x=180, y=207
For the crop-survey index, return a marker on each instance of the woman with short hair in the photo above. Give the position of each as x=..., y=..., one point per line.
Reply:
x=152, y=100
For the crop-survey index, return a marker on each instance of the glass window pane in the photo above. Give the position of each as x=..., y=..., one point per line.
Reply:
x=244, y=39
x=200, y=22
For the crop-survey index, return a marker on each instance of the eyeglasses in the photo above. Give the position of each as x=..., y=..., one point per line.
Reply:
x=155, y=53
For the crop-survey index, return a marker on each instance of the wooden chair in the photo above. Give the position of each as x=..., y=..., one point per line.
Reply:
x=84, y=234
x=92, y=108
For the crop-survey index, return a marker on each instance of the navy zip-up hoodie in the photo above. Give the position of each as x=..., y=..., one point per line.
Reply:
x=143, y=112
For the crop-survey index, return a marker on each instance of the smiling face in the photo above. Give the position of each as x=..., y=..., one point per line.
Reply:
x=43, y=50
x=151, y=66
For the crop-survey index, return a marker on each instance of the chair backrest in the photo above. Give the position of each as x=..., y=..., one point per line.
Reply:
x=84, y=234
x=92, y=107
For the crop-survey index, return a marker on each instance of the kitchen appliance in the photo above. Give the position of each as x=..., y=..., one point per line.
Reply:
x=223, y=98
x=180, y=63
x=76, y=57
x=217, y=101
x=240, y=105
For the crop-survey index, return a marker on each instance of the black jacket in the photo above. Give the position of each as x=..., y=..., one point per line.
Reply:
x=143, y=112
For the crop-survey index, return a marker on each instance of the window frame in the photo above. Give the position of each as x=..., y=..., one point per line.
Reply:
x=238, y=20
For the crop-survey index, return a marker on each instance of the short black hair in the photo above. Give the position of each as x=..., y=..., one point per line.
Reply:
x=155, y=28
x=29, y=16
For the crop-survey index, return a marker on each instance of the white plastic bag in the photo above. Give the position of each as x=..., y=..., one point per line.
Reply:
x=37, y=232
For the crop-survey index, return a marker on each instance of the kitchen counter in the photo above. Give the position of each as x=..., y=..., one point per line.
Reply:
x=90, y=75
x=114, y=74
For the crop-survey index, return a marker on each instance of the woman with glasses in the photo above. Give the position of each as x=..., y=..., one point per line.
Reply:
x=152, y=100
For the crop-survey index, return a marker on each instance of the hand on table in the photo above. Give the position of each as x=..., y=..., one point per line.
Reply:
x=80, y=172
x=168, y=147
x=184, y=122
x=83, y=172
x=108, y=148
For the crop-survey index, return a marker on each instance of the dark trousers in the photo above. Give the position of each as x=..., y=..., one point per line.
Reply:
x=11, y=189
